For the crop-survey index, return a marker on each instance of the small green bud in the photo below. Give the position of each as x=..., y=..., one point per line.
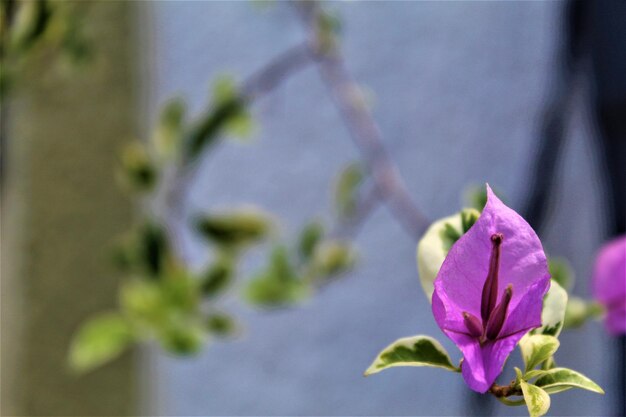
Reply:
x=141, y=300
x=333, y=257
x=183, y=339
x=310, y=237
x=180, y=290
x=278, y=285
x=221, y=325
x=328, y=28
x=240, y=125
x=138, y=171
x=239, y=227
x=224, y=89
x=217, y=277
x=346, y=188
x=167, y=135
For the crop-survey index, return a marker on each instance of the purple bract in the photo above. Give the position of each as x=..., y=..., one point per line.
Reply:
x=609, y=284
x=489, y=291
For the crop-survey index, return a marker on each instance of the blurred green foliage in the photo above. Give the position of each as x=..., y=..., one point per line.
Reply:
x=346, y=189
x=37, y=28
x=165, y=301
x=235, y=229
x=562, y=272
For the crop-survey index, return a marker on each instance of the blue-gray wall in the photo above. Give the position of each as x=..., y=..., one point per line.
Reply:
x=458, y=91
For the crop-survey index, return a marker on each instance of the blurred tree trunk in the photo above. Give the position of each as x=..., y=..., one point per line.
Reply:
x=61, y=209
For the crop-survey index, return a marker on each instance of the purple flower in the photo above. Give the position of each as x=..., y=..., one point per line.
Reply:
x=489, y=291
x=609, y=284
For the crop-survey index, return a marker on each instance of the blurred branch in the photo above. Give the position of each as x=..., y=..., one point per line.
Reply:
x=389, y=187
x=363, y=129
x=351, y=226
x=262, y=82
x=273, y=74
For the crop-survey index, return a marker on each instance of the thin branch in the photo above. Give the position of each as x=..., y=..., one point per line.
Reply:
x=363, y=129
x=180, y=177
x=503, y=391
x=277, y=71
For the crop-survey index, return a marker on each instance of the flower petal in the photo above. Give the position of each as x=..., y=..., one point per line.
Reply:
x=460, y=281
x=462, y=275
x=609, y=283
x=483, y=364
x=609, y=275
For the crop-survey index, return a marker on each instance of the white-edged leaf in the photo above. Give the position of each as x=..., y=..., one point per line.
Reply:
x=432, y=251
x=561, y=379
x=536, y=348
x=412, y=351
x=534, y=374
x=553, y=313
x=434, y=246
x=537, y=400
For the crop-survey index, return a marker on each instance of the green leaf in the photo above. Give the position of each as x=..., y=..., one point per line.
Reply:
x=100, y=340
x=153, y=248
x=537, y=348
x=224, y=89
x=144, y=250
x=227, y=104
x=221, y=325
x=183, y=338
x=278, y=285
x=346, y=188
x=138, y=171
x=561, y=271
x=433, y=248
x=553, y=313
x=168, y=131
x=537, y=400
x=142, y=301
x=412, y=351
x=450, y=235
x=31, y=21
x=310, y=237
x=217, y=277
x=264, y=291
x=240, y=125
x=236, y=228
x=333, y=257
x=180, y=292
x=468, y=218
x=561, y=379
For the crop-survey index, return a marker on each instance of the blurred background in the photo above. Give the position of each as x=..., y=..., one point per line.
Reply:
x=463, y=92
